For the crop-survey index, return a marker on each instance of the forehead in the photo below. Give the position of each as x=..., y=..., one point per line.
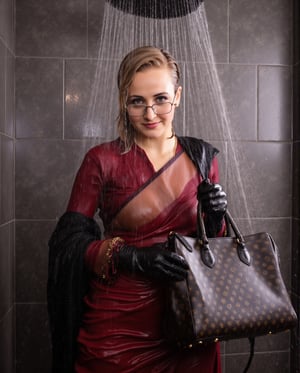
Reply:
x=150, y=81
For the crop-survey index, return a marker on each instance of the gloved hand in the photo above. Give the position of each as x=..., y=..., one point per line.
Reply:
x=155, y=262
x=214, y=204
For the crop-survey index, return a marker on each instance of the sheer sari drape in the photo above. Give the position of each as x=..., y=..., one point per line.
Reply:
x=122, y=325
x=120, y=329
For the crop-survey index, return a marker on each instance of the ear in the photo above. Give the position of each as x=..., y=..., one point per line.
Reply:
x=178, y=96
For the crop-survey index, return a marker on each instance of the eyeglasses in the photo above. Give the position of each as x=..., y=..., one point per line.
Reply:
x=138, y=110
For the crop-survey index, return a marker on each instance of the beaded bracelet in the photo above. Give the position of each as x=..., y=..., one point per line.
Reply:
x=108, y=269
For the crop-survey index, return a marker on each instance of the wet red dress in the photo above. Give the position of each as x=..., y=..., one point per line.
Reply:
x=122, y=324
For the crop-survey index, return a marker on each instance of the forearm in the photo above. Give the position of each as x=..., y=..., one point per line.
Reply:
x=101, y=258
x=106, y=259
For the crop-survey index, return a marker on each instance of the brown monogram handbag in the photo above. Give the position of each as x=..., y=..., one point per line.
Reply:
x=234, y=289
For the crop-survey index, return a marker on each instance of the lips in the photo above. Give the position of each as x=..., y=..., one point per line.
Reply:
x=151, y=125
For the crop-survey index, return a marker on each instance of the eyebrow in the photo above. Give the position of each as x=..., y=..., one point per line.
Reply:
x=156, y=95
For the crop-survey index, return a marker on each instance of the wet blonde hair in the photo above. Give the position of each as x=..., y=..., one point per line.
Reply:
x=135, y=61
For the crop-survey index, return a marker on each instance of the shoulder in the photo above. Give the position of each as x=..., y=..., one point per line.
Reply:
x=113, y=146
x=105, y=150
x=193, y=144
x=200, y=152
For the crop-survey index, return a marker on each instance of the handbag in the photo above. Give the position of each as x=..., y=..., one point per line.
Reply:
x=234, y=289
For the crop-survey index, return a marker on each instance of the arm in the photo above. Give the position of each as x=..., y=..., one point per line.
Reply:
x=84, y=199
x=213, y=202
x=203, y=155
x=67, y=284
x=67, y=273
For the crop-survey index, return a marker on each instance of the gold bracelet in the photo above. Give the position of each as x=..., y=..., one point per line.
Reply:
x=108, y=269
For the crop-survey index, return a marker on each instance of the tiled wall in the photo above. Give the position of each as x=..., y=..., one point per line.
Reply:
x=56, y=44
x=296, y=186
x=7, y=160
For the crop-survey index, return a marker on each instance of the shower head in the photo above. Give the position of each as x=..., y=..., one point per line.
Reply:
x=159, y=9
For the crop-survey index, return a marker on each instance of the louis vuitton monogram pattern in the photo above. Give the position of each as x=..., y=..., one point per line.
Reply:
x=230, y=300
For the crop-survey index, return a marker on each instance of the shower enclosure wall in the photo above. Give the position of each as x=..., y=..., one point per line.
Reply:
x=52, y=65
x=7, y=186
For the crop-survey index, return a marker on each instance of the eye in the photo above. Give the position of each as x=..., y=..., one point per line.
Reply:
x=161, y=99
x=136, y=101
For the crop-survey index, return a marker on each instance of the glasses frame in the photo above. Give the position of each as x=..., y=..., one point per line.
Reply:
x=151, y=106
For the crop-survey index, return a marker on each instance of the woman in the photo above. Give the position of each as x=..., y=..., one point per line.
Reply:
x=105, y=295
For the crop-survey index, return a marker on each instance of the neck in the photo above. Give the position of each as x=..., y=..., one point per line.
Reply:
x=159, y=146
x=159, y=152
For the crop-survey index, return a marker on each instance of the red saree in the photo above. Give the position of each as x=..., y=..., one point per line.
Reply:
x=122, y=323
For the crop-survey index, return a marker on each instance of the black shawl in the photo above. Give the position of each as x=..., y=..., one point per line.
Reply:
x=67, y=285
x=200, y=152
x=68, y=277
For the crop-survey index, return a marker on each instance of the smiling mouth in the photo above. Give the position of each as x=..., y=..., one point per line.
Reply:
x=152, y=124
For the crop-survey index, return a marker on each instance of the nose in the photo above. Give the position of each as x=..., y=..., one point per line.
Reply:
x=149, y=113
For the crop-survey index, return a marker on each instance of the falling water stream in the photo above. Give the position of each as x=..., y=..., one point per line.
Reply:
x=203, y=112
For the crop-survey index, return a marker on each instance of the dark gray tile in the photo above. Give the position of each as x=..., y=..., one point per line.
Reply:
x=9, y=125
x=6, y=268
x=240, y=102
x=296, y=179
x=274, y=103
x=217, y=19
x=51, y=29
x=295, y=341
x=213, y=97
x=91, y=99
x=7, y=332
x=201, y=118
x=296, y=28
x=7, y=23
x=32, y=260
x=223, y=363
x=259, y=179
x=222, y=348
x=80, y=75
x=39, y=98
x=280, y=230
x=2, y=85
x=295, y=258
x=95, y=19
x=276, y=362
x=6, y=90
x=7, y=187
x=296, y=102
x=260, y=31
x=200, y=36
x=43, y=182
x=32, y=339
x=268, y=343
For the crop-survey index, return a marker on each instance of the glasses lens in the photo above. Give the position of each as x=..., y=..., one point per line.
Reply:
x=163, y=108
x=135, y=110
x=139, y=110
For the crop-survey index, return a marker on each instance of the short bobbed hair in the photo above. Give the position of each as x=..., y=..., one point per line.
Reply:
x=135, y=61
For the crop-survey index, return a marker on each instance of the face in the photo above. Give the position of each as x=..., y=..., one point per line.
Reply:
x=154, y=86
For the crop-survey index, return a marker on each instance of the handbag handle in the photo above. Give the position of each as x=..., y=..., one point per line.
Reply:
x=207, y=255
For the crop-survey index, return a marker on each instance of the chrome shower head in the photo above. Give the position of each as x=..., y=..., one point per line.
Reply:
x=158, y=9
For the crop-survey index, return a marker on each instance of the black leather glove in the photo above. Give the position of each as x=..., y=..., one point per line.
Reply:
x=155, y=262
x=214, y=204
